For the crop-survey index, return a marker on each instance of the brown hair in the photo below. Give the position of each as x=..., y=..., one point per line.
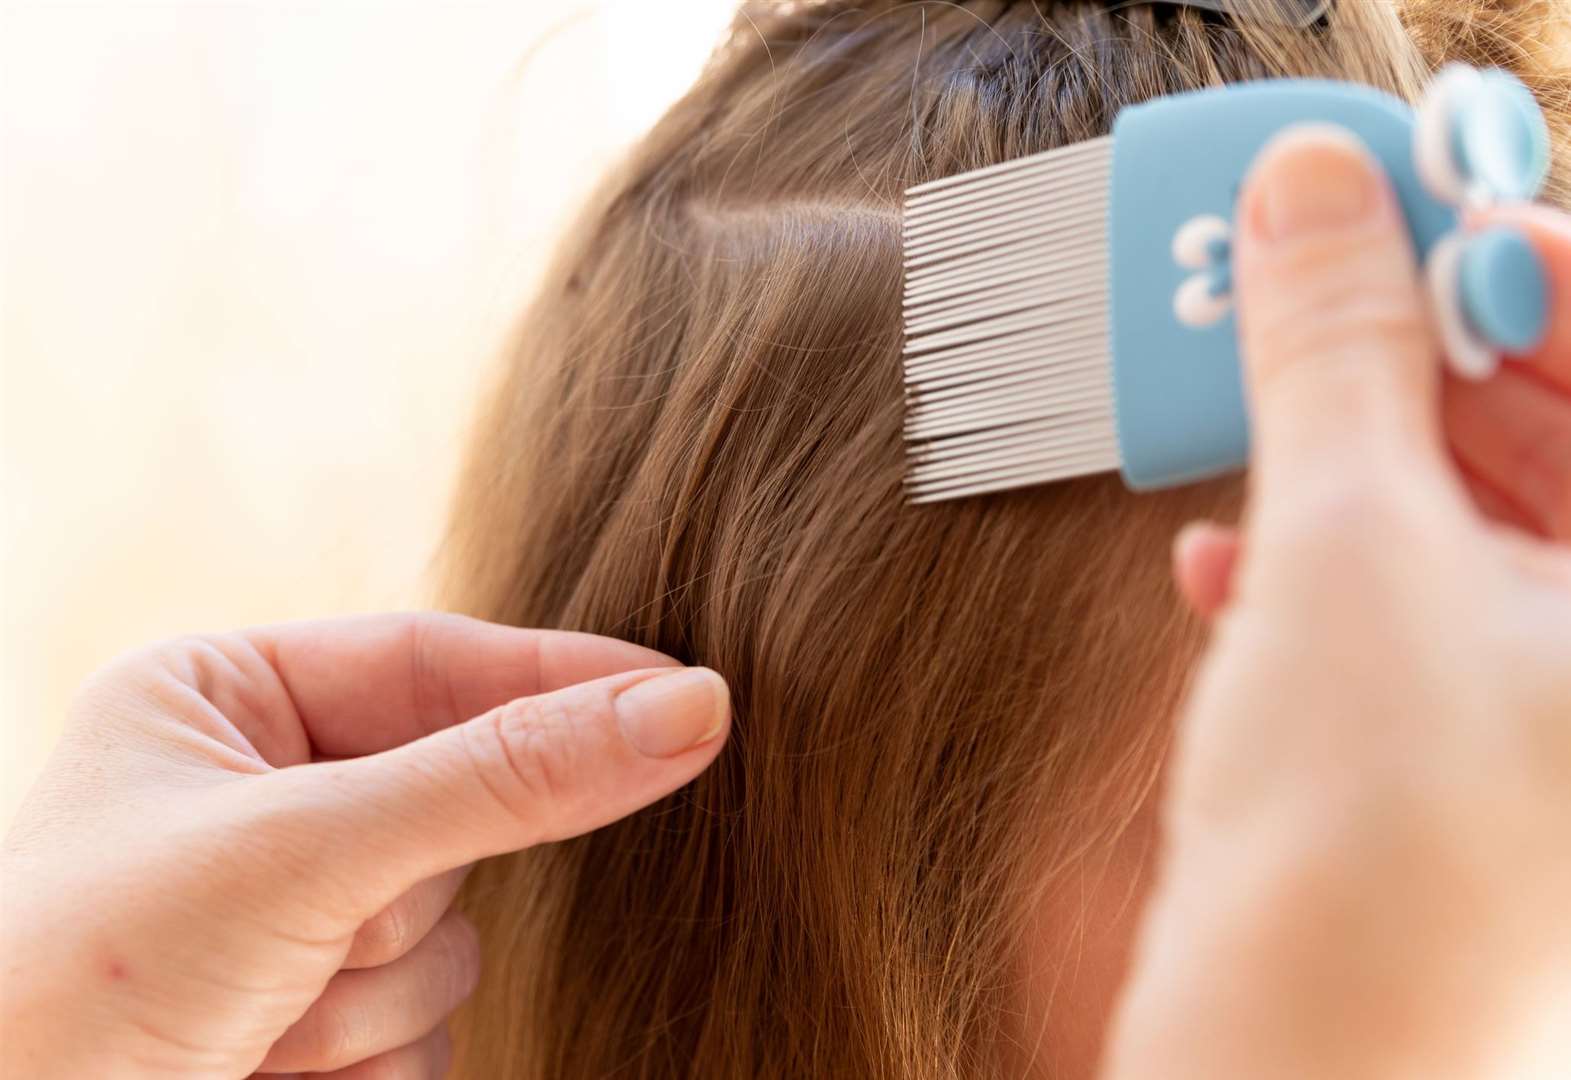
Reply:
x=695, y=445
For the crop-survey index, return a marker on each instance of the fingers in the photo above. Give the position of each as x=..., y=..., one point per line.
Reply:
x=363, y=1014
x=535, y=769
x=1550, y=233
x=425, y=1059
x=401, y=925
x=1205, y=556
x=1340, y=363
x=360, y=685
x=1514, y=434
x=1495, y=506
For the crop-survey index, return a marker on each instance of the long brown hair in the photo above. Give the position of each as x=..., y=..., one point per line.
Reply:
x=695, y=445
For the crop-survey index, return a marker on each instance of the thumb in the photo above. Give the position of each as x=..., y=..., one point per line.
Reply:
x=1340, y=361
x=533, y=770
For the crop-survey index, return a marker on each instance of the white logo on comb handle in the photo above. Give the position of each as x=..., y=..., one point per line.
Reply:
x=1204, y=245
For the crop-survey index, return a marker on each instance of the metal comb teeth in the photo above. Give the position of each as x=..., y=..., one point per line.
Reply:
x=1006, y=325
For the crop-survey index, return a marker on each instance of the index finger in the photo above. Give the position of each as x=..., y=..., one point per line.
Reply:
x=368, y=683
x=1549, y=231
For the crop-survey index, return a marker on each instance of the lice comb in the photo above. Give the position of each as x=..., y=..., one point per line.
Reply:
x=1069, y=313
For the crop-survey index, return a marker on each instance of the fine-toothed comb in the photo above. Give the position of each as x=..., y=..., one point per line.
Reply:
x=1069, y=313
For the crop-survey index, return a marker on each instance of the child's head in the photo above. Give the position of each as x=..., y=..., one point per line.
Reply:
x=944, y=715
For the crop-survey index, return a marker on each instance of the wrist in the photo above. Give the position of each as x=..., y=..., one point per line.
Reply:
x=33, y=1034
x=54, y=1021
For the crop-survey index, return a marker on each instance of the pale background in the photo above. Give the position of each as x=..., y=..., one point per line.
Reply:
x=254, y=258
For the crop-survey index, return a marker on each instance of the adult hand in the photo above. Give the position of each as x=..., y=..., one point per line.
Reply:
x=1510, y=436
x=242, y=854
x=1368, y=814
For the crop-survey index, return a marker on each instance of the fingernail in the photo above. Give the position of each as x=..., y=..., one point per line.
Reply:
x=1313, y=178
x=1191, y=536
x=1505, y=290
x=667, y=714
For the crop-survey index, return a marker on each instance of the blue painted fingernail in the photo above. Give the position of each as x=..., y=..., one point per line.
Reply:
x=1505, y=290
x=1501, y=139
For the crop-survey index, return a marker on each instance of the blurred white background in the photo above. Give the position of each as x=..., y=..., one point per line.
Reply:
x=255, y=257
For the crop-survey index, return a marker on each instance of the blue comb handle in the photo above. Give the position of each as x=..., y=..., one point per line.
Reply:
x=1178, y=388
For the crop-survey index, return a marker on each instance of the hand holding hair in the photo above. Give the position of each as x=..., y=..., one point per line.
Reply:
x=243, y=853
x=1369, y=813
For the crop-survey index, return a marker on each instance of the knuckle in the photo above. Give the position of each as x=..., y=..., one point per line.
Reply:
x=397, y=1066
x=1330, y=296
x=1365, y=517
x=384, y=937
x=460, y=959
x=1336, y=546
x=334, y=1033
x=200, y=657
x=526, y=753
x=164, y=677
x=434, y=693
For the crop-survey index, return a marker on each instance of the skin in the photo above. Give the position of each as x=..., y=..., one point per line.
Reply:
x=1510, y=440
x=1078, y=950
x=1510, y=437
x=242, y=856
x=1366, y=820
